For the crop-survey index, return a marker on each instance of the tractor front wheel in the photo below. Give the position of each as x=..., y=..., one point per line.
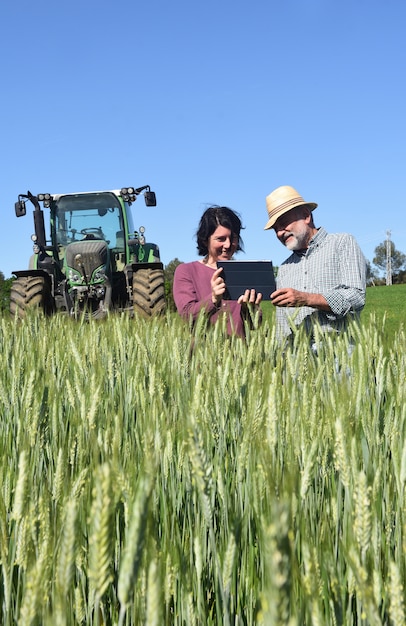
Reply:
x=149, y=292
x=30, y=292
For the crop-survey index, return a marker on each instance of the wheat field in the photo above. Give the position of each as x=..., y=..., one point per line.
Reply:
x=152, y=474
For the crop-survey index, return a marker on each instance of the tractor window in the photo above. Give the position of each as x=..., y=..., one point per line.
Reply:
x=91, y=216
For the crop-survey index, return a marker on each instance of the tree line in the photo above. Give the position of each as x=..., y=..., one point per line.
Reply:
x=5, y=287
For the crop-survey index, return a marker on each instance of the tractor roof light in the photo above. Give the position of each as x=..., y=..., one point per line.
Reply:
x=129, y=194
x=45, y=198
x=125, y=194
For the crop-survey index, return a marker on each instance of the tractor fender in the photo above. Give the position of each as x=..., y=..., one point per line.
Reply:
x=32, y=272
x=145, y=266
x=131, y=268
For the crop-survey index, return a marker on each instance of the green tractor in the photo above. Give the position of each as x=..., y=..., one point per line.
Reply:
x=93, y=261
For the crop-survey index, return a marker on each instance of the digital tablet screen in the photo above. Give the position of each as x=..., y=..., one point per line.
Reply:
x=242, y=275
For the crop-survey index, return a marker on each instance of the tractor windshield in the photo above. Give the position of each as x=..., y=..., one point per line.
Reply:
x=90, y=215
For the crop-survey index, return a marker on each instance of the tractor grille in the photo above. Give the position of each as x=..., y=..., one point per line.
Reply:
x=93, y=254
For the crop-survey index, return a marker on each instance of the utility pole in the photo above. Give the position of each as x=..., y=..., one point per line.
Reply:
x=388, y=258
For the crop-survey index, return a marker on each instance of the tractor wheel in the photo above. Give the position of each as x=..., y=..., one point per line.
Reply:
x=30, y=292
x=149, y=292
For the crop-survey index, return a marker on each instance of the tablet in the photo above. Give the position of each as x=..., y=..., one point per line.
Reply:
x=242, y=275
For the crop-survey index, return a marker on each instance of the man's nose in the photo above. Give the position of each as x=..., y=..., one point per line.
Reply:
x=280, y=230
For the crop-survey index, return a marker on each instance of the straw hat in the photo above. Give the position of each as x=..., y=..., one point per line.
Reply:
x=282, y=200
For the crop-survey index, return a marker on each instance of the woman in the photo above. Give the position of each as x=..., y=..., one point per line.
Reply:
x=199, y=285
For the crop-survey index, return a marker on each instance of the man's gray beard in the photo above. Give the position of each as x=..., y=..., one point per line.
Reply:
x=296, y=243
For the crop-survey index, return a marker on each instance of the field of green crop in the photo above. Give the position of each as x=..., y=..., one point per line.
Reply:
x=151, y=475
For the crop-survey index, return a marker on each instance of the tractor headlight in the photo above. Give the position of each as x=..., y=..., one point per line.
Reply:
x=75, y=277
x=35, y=247
x=100, y=276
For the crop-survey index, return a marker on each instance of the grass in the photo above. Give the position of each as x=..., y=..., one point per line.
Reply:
x=152, y=475
x=387, y=303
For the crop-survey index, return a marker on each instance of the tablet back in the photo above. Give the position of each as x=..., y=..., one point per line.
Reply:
x=242, y=275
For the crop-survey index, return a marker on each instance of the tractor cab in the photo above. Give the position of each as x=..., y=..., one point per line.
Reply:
x=86, y=222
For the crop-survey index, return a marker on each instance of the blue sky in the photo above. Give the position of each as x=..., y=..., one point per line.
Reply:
x=214, y=102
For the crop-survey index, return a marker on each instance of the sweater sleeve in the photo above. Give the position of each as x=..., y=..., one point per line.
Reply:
x=192, y=290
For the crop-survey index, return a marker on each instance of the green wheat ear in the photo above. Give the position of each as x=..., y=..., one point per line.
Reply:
x=130, y=565
x=67, y=552
x=21, y=491
x=154, y=596
x=101, y=545
x=396, y=596
x=362, y=512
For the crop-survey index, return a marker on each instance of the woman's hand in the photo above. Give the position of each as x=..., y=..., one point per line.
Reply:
x=250, y=296
x=218, y=287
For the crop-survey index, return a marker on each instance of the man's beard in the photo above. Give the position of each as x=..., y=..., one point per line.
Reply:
x=299, y=239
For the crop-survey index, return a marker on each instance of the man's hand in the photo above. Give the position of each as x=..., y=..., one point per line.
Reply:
x=294, y=298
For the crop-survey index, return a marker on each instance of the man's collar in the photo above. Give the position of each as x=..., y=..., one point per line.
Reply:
x=319, y=235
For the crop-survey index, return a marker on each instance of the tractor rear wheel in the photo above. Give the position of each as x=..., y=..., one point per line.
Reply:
x=30, y=292
x=149, y=292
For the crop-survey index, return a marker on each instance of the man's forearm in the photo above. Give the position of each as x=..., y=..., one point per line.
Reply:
x=294, y=298
x=316, y=301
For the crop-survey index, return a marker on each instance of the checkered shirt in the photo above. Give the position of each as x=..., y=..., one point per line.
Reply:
x=334, y=266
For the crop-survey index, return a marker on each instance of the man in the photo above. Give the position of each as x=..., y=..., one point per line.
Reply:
x=324, y=279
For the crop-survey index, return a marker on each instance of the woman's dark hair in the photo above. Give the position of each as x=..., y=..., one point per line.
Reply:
x=213, y=217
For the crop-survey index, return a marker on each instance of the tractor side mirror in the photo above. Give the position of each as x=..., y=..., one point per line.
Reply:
x=150, y=198
x=20, y=208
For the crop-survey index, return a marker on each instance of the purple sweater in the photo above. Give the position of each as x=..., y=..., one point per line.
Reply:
x=192, y=293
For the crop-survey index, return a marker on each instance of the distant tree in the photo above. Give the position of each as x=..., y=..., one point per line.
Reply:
x=169, y=272
x=5, y=287
x=372, y=276
x=398, y=259
x=400, y=277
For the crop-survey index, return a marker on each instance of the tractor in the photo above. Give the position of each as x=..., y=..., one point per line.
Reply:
x=93, y=261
